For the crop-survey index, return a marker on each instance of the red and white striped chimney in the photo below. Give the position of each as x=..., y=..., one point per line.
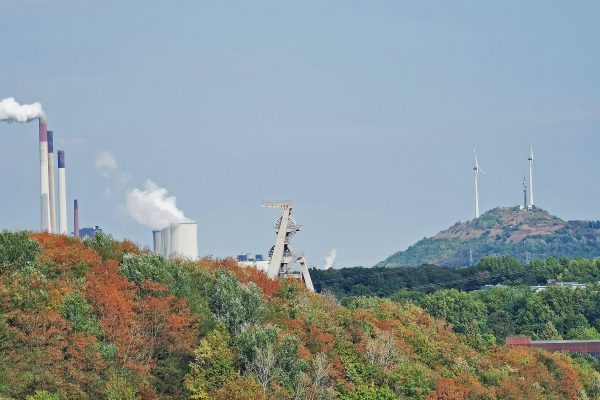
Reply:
x=44, y=184
x=76, y=219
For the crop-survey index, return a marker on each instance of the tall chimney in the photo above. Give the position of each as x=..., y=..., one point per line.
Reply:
x=76, y=219
x=44, y=185
x=51, y=182
x=62, y=194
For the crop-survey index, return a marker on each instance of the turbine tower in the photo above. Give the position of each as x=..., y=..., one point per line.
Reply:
x=477, y=170
x=282, y=258
x=525, y=204
x=531, y=162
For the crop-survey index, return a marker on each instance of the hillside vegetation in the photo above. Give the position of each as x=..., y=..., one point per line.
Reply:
x=523, y=234
x=507, y=309
x=103, y=320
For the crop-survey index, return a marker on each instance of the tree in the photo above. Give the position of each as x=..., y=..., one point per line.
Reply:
x=80, y=313
x=270, y=356
x=381, y=350
x=233, y=304
x=315, y=384
x=264, y=366
x=239, y=387
x=549, y=332
x=369, y=393
x=119, y=387
x=466, y=313
x=212, y=366
x=43, y=395
x=17, y=250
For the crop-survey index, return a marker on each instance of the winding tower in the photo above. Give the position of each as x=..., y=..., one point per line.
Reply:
x=283, y=261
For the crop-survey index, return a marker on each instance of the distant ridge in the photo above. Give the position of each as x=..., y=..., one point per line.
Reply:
x=523, y=234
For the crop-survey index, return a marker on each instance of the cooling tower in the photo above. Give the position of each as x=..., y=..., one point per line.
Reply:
x=184, y=240
x=51, y=182
x=62, y=194
x=165, y=236
x=157, y=242
x=44, y=186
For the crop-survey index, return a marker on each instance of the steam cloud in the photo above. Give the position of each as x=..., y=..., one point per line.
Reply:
x=106, y=163
x=330, y=259
x=11, y=111
x=152, y=207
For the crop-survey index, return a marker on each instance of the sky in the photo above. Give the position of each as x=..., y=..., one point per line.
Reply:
x=365, y=114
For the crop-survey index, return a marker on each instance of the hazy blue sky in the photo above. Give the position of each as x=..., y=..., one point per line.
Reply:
x=364, y=113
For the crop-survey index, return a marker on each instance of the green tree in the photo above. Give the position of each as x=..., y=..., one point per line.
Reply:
x=583, y=333
x=234, y=304
x=103, y=243
x=466, y=313
x=119, y=387
x=212, y=366
x=270, y=356
x=43, y=395
x=369, y=393
x=79, y=312
x=17, y=250
x=549, y=332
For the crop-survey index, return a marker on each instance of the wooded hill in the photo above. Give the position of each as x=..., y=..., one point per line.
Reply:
x=101, y=319
x=522, y=234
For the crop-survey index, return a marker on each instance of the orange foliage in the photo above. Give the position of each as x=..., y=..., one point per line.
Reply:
x=141, y=327
x=65, y=252
x=462, y=387
x=536, y=372
x=43, y=343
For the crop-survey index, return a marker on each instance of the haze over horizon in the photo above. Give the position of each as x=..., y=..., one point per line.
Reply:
x=365, y=115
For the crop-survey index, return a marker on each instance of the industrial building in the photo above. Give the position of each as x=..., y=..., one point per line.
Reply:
x=89, y=232
x=255, y=261
x=589, y=347
x=178, y=240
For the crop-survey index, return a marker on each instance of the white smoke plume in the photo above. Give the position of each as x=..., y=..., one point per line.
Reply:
x=152, y=207
x=330, y=259
x=106, y=163
x=11, y=111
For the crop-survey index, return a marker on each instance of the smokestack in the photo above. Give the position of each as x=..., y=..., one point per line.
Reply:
x=44, y=185
x=62, y=194
x=51, y=182
x=76, y=219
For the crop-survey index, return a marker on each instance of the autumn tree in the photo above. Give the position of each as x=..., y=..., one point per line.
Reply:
x=212, y=365
x=239, y=387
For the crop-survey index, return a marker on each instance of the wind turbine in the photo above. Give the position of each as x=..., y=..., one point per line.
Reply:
x=531, y=162
x=477, y=170
x=525, y=204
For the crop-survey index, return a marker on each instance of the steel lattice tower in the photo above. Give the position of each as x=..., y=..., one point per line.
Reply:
x=283, y=262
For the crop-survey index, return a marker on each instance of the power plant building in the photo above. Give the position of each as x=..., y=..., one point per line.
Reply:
x=89, y=232
x=256, y=261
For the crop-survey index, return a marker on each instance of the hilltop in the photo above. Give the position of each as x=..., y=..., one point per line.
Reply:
x=523, y=234
x=101, y=319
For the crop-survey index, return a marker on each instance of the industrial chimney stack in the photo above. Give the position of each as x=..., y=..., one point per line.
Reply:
x=51, y=182
x=44, y=185
x=62, y=194
x=76, y=219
